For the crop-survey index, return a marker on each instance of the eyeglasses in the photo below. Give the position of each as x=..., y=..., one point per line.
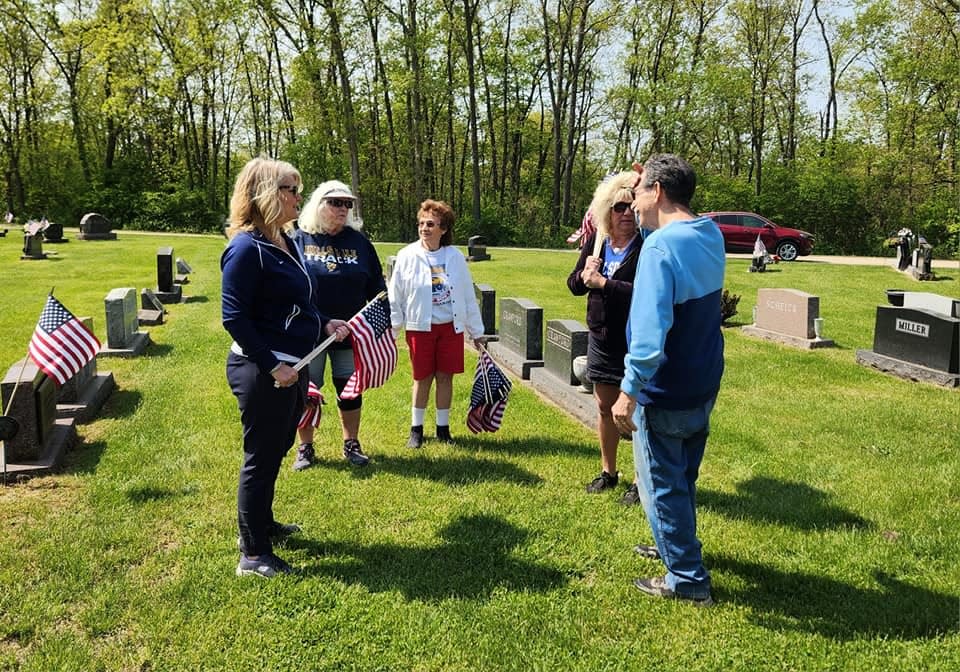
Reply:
x=292, y=188
x=428, y=223
x=621, y=207
x=338, y=203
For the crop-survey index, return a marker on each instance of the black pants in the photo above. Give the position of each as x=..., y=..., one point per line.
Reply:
x=269, y=416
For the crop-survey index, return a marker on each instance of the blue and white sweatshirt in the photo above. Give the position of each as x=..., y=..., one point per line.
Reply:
x=675, y=354
x=267, y=300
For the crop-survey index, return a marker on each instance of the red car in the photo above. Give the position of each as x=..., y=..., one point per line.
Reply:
x=740, y=231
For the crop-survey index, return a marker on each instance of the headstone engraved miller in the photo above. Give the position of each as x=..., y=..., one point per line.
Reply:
x=520, y=347
x=487, y=300
x=167, y=290
x=43, y=438
x=918, y=340
x=123, y=339
x=477, y=249
x=95, y=226
x=151, y=309
x=788, y=316
x=83, y=396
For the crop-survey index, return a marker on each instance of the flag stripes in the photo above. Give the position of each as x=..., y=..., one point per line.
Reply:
x=374, y=350
x=488, y=398
x=61, y=344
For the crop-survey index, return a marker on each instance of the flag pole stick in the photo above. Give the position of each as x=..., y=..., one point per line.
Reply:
x=330, y=339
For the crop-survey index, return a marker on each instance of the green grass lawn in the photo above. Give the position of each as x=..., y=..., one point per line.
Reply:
x=829, y=507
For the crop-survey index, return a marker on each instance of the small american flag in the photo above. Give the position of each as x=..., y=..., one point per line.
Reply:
x=61, y=344
x=374, y=350
x=488, y=399
x=9, y=217
x=587, y=227
x=312, y=408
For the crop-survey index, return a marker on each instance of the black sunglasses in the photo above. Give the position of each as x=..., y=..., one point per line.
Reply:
x=292, y=188
x=621, y=207
x=338, y=203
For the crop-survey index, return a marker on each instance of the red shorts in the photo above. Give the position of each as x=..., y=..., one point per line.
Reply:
x=440, y=349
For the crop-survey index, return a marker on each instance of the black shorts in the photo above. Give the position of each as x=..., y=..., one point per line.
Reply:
x=604, y=364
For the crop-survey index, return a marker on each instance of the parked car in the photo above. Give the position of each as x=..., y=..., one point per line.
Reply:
x=740, y=231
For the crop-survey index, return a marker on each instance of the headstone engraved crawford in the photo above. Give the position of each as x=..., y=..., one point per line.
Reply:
x=788, y=316
x=43, y=438
x=94, y=226
x=167, y=291
x=487, y=300
x=123, y=339
x=520, y=347
x=918, y=340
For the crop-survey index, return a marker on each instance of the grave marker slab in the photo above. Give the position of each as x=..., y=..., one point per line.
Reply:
x=477, y=249
x=487, y=300
x=123, y=339
x=565, y=340
x=167, y=290
x=520, y=346
x=94, y=226
x=788, y=316
x=151, y=309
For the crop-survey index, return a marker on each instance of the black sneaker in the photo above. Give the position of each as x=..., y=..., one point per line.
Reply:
x=267, y=565
x=657, y=587
x=305, y=457
x=416, y=437
x=631, y=496
x=645, y=551
x=443, y=434
x=603, y=482
x=353, y=453
x=281, y=530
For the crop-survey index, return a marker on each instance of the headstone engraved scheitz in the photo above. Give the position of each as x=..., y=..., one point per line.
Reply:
x=917, y=337
x=788, y=316
x=477, y=248
x=520, y=346
x=151, y=309
x=123, y=339
x=94, y=226
x=43, y=438
x=167, y=291
x=487, y=300
x=83, y=396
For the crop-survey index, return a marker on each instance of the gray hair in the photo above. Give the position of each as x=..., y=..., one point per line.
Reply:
x=314, y=217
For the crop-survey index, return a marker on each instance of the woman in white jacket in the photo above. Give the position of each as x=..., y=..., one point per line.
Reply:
x=432, y=300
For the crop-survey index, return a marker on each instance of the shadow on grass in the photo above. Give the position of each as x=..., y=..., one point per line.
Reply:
x=782, y=502
x=472, y=559
x=818, y=604
x=84, y=457
x=449, y=470
x=528, y=445
x=157, y=350
x=121, y=404
x=196, y=299
x=151, y=493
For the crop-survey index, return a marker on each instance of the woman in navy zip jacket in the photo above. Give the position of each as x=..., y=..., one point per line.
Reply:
x=268, y=310
x=605, y=273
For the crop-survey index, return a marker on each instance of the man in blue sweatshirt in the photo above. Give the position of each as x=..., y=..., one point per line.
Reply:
x=673, y=365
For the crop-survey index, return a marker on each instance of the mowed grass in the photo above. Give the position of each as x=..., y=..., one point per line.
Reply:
x=829, y=507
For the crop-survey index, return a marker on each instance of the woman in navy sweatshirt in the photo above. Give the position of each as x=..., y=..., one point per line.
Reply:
x=268, y=310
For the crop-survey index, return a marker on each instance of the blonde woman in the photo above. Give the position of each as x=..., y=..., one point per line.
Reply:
x=604, y=272
x=268, y=310
x=346, y=271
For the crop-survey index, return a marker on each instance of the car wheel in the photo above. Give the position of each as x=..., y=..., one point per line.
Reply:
x=787, y=250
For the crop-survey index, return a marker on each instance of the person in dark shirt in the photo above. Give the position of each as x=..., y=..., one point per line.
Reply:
x=604, y=272
x=346, y=270
x=268, y=310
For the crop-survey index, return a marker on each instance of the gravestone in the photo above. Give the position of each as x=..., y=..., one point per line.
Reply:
x=477, y=248
x=43, y=438
x=919, y=340
x=33, y=246
x=565, y=340
x=54, y=233
x=123, y=339
x=391, y=262
x=520, y=346
x=487, y=300
x=3, y=233
x=167, y=290
x=788, y=316
x=183, y=267
x=151, y=309
x=94, y=226
x=83, y=396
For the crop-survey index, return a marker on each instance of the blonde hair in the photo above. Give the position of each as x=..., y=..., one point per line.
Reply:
x=256, y=197
x=314, y=215
x=611, y=191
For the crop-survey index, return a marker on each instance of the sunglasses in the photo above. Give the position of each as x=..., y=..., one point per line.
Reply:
x=292, y=188
x=339, y=203
x=621, y=207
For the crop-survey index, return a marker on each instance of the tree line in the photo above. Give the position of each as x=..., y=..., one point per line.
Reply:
x=841, y=118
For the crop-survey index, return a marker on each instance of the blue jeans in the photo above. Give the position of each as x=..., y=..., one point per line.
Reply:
x=667, y=450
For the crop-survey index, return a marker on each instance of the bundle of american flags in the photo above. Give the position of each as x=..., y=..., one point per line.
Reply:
x=312, y=408
x=488, y=399
x=61, y=344
x=374, y=350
